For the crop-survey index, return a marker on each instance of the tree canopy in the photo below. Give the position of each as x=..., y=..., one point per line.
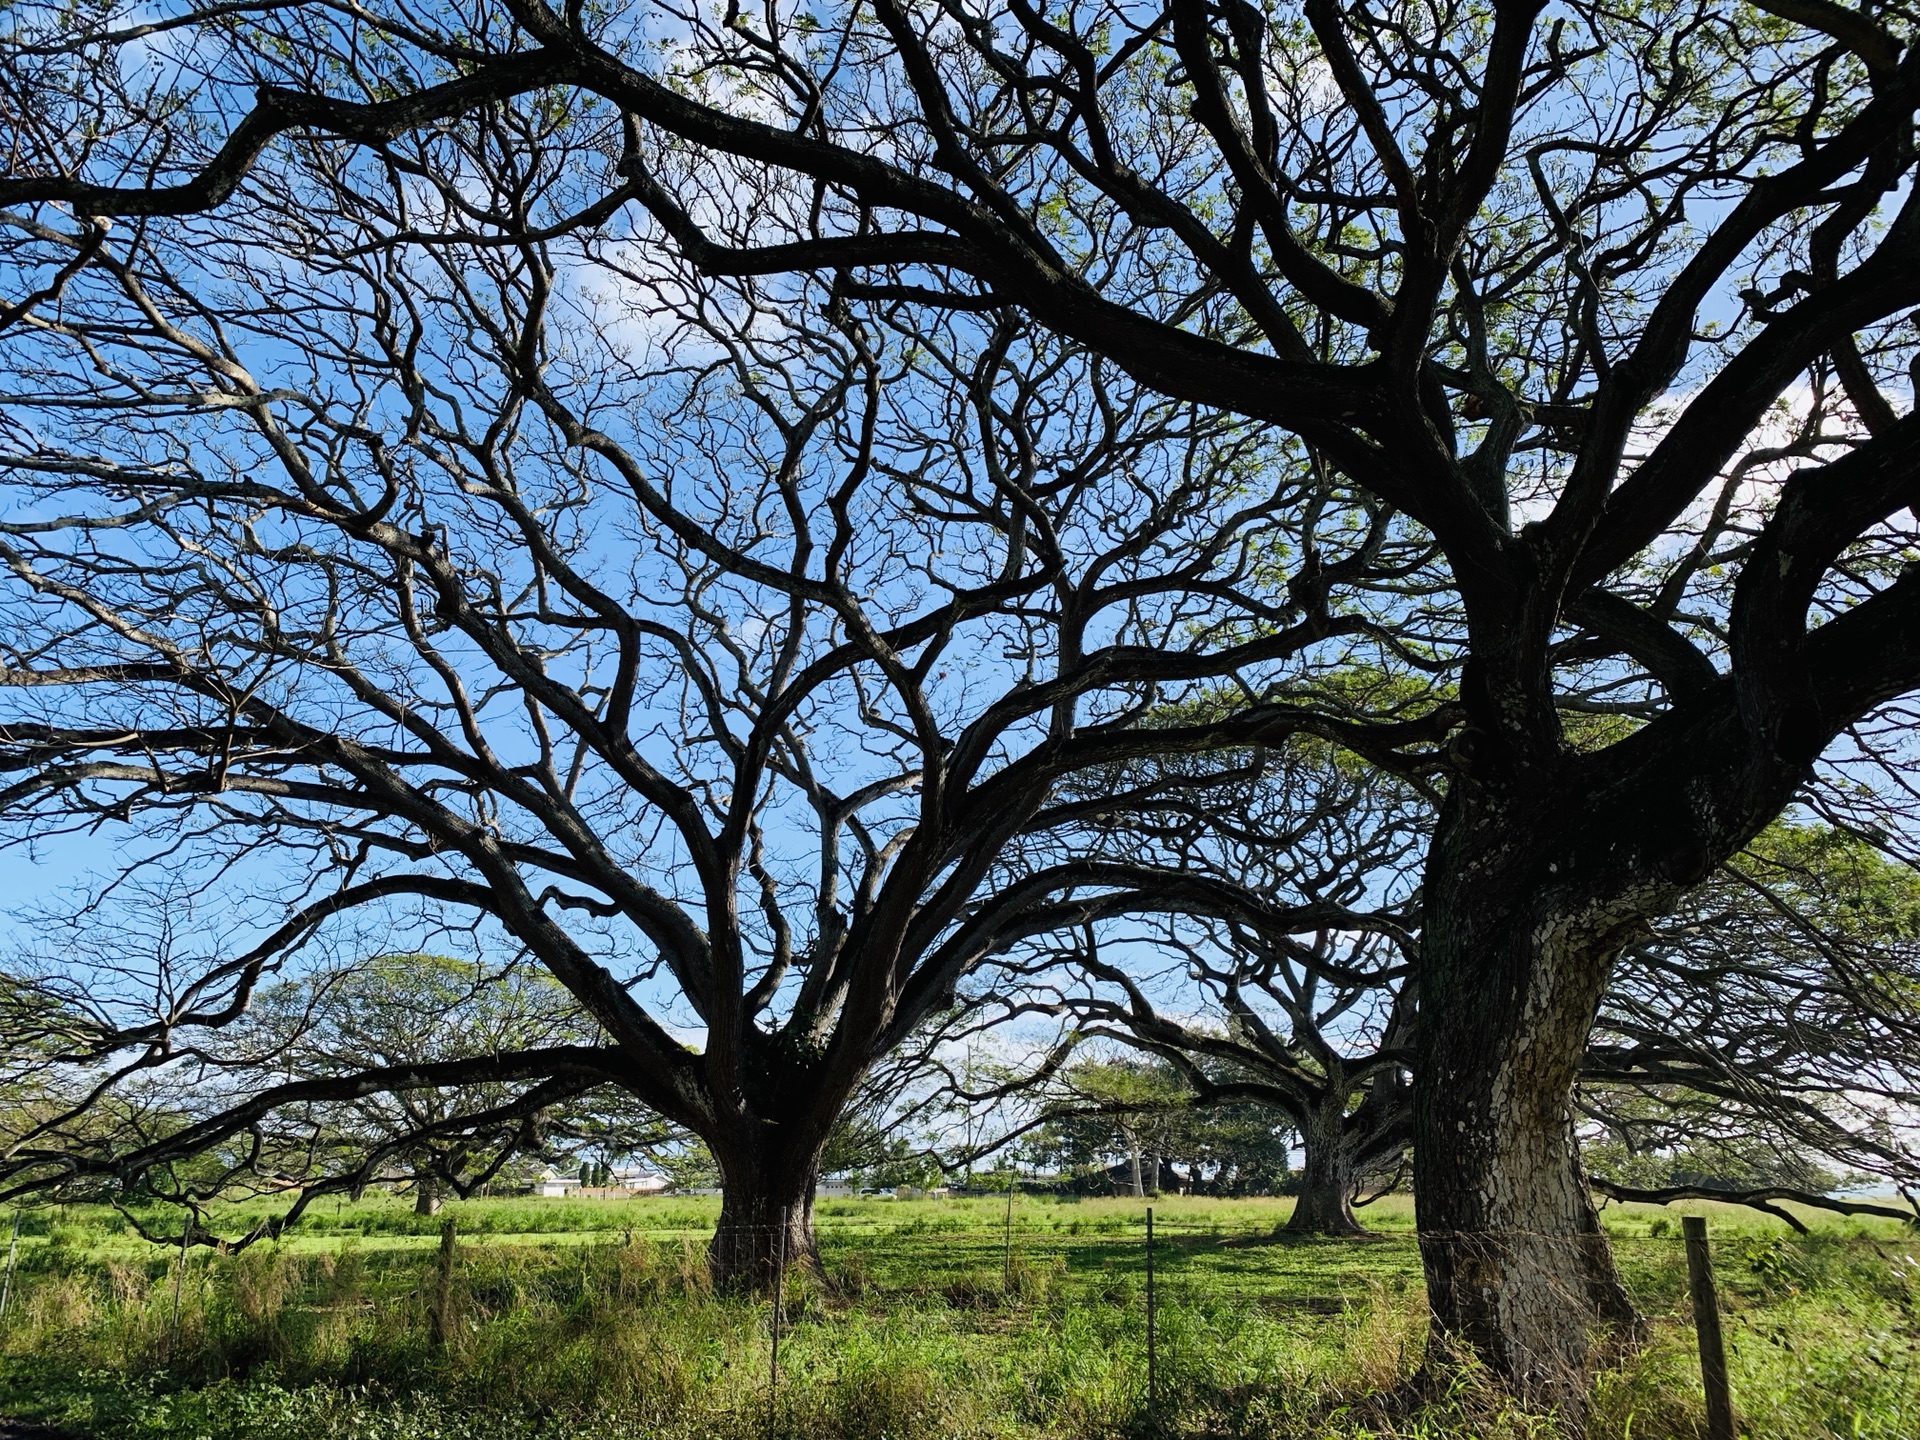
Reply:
x=1556, y=354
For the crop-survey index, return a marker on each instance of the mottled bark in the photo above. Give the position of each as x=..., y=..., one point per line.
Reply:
x=1515, y=959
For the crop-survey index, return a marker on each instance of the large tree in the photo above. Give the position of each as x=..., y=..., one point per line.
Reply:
x=1309, y=1028
x=1759, y=1044
x=384, y=557
x=1539, y=280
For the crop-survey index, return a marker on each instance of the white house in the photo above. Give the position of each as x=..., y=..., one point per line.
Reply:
x=623, y=1183
x=636, y=1181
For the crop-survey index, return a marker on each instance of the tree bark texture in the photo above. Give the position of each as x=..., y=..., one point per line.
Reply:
x=1516, y=955
x=766, y=1219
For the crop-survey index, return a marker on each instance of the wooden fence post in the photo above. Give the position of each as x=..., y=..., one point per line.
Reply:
x=1706, y=1327
x=442, y=1317
x=779, y=1306
x=179, y=1275
x=13, y=1249
x=1153, y=1379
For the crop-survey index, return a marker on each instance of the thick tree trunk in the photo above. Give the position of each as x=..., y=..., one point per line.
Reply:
x=758, y=1194
x=1514, y=961
x=1327, y=1178
x=426, y=1196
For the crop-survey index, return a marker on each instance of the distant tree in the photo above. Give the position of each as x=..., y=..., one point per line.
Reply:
x=873, y=1157
x=1137, y=1117
x=1315, y=1025
x=895, y=1164
x=35, y=1028
x=1328, y=1060
x=1103, y=1111
x=689, y=1167
x=1710, y=1155
x=1236, y=1149
x=396, y=1010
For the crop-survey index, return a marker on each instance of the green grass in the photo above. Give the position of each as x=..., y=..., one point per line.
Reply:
x=591, y=1318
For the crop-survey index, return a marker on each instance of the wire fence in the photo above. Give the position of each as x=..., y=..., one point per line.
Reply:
x=1136, y=1262
x=1177, y=1260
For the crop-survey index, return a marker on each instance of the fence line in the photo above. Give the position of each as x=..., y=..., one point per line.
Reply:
x=1086, y=1251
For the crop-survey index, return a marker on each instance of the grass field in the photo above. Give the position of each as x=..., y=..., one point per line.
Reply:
x=591, y=1318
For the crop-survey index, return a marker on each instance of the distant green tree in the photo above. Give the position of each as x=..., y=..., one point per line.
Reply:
x=1767, y=1034
x=409, y=1008
x=688, y=1165
x=1236, y=1149
x=1135, y=1116
x=873, y=1156
x=1109, y=1111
